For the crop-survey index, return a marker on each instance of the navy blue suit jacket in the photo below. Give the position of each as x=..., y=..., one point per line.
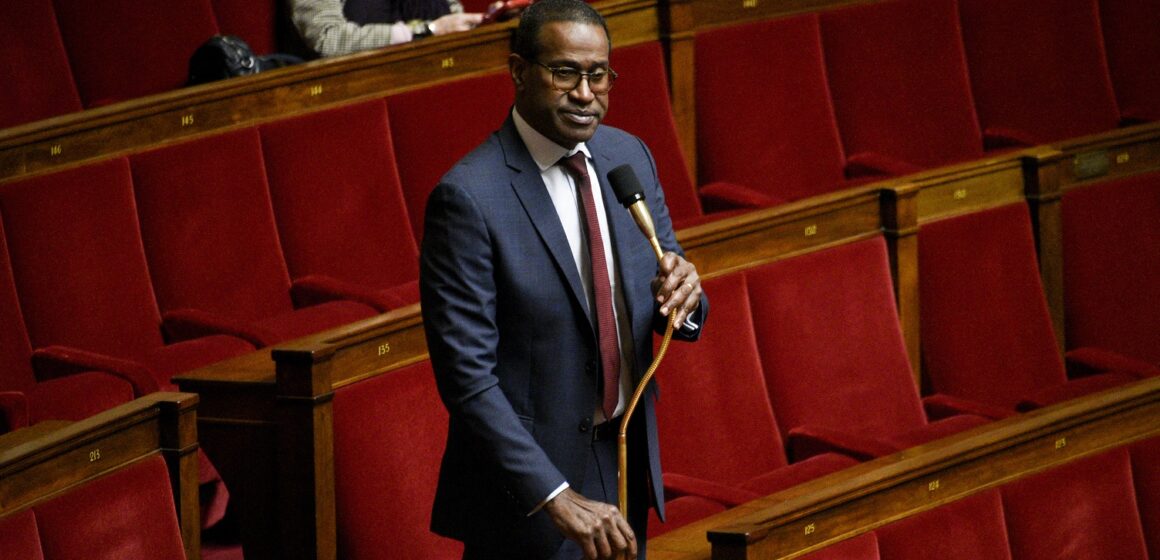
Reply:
x=513, y=348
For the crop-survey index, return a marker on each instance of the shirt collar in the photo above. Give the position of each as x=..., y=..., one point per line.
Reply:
x=545, y=152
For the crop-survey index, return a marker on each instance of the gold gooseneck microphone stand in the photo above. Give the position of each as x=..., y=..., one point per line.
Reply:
x=643, y=219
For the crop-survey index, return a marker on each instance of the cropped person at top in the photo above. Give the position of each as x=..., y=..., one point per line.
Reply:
x=338, y=27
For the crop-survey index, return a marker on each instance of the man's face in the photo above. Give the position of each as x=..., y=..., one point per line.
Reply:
x=565, y=117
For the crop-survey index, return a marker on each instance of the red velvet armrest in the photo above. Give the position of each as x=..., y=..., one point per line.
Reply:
x=13, y=411
x=677, y=485
x=995, y=138
x=52, y=362
x=807, y=441
x=1082, y=362
x=718, y=197
x=871, y=164
x=941, y=406
x=317, y=288
x=188, y=324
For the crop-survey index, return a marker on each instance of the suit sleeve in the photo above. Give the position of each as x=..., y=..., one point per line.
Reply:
x=694, y=323
x=458, y=295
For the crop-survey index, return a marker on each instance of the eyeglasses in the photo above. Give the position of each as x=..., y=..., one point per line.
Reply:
x=568, y=79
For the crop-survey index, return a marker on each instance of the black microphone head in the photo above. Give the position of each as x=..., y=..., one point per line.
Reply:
x=625, y=185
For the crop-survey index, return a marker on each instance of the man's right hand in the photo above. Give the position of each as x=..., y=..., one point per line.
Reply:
x=598, y=527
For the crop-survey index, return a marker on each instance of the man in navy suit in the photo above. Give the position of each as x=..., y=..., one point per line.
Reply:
x=540, y=298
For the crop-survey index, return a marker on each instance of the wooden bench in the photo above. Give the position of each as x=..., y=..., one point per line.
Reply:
x=43, y=465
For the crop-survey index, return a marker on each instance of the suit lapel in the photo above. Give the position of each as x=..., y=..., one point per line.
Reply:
x=622, y=228
x=529, y=188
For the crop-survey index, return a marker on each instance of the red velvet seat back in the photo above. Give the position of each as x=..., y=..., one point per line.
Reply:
x=254, y=22
x=640, y=104
x=18, y=537
x=1038, y=67
x=337, y=198
x=72, y=397
x=389, y=435
x=1146, y=473
x=208, y=227
x=1084, y=509
x=986, y=332
x=1133, y=45
x=434, y=127
x=126, y=515
x=15, y=349
x=969, y=529
x=831, y=344
x=764, y=118
x=38, y=81
x=1111, y=266
x=78, y=261
x=899, y=79
x=121, y=49
x=713, y=416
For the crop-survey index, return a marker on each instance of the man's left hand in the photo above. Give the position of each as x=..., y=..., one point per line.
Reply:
x=677, y=287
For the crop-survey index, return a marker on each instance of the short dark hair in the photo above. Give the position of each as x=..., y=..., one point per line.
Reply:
x=525, y=40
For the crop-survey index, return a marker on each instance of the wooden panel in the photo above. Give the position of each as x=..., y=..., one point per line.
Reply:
x=971, y=188
x=1118, y=153
x=151, y=121
x=62, y=456
x=768, y=235
x=848, y=503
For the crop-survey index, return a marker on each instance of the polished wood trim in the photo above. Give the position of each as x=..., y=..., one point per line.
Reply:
x=64, y=455
x=1101, y=157
x=821, y=512
x=141, y=124
x=900, y=226
x=763, y=236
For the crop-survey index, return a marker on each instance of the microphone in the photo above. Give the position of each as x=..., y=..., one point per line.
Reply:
x=631, y=196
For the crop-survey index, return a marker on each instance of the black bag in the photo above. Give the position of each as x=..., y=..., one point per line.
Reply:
x=226, y=56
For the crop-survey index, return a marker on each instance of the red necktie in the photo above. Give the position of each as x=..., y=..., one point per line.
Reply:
x=605, y=320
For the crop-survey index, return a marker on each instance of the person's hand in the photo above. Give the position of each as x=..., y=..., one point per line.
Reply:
x=597, y=527
x=454, y=23
x=677, y=287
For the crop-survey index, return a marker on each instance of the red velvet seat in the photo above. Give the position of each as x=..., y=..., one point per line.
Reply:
x=122, y=49
x=90, y=305
x=640, y=104
x=1111, y=266
x=1146, y=473
x=900, y=86
x=1038, y=70
x=389, y=434
x=832, y=351
x=764, y=118
x=1133, y=48
x=434, y=127
x=721, y=443
x=19, y=538
x=341, y=217
x=69, y=395
x=969, y=529
x=88, y=295
x=986, y=332
x=212, y=246
x=39, y=83
x=127, y=515
x=1084, y=509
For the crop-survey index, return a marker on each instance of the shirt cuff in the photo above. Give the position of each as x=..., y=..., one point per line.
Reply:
x=554, y=493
